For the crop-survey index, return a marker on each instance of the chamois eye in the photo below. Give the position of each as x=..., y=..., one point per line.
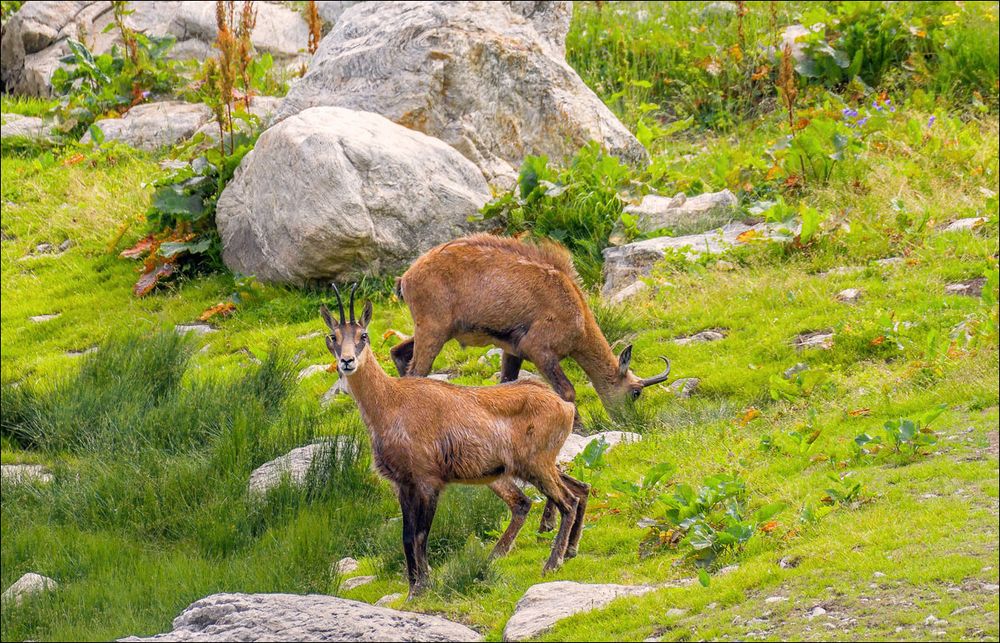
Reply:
x=635, y=393
x=364, y=337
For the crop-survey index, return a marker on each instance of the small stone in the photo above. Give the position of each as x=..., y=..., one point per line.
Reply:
x=969, y=288
x=776, y=599
x=27, y=586
x=792, y=371
x=312, y=369
x=43, y=248
x=196, y=328
x=849, y=295
x=816, y=611
x=82, y=351
x=521, y=375
x=711, y=606
x=878, y=575
x=725, y=266
x=65, y=245
x=889, y=261
x=24, y=473
x=490, y=354
x=710, y=335
x=575, y=444
x=38, y=319
x=965, y=224
x=388, y=598
x=963, y=610
x=933, y=621
x=675, y=612
x=822, y=339
x=441, y=377
x=684, y=387
x=628, y=292
x=789, y=562
x=352, y=583
x=345, y=566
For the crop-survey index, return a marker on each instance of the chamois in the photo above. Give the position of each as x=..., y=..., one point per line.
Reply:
x=426, y=434
x=524, y=298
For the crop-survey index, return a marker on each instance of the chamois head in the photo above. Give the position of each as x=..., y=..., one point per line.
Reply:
x=627, y=386
x=348, y=339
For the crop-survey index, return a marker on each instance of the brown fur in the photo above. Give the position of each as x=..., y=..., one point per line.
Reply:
x=524, y=298
x=426, y=434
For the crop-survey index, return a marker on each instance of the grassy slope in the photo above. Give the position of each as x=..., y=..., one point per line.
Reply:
x=929, y=526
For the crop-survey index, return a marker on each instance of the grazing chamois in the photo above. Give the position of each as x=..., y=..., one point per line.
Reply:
x=426, y=434
x=524, y=298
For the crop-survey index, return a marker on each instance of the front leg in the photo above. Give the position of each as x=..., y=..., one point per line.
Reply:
x=407, y=503
x=426, y=508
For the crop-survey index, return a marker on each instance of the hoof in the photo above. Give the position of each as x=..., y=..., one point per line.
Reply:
x=551, y=566
x=570, y=553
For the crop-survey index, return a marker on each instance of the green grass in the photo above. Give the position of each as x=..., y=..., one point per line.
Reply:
x=152, y=437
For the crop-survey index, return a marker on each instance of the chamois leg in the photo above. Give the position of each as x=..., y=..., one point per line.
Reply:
x=551, y=485
x=426, y=347
x=553, y=372
x=510, y=367
x=402, y=355
x=426, y=506
x=548, y=522
x=582, y=492
x=520, y=506
x=407, y=503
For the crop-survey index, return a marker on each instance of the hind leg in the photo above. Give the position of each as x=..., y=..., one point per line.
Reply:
x=426, y=347
x=582, y=492
x=550, y=484
x=510, y=367
x=520, y=506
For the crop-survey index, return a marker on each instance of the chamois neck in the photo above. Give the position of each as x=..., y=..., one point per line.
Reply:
x=370, y=386
x=597, y=360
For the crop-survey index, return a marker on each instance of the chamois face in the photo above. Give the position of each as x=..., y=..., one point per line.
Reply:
x=627, y=387
x=348, y=340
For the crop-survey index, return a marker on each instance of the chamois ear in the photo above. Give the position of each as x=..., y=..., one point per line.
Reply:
x=325, y=313
x=624, y=360
x=366, y=314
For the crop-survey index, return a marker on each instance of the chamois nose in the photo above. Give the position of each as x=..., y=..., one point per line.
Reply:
x=347, y=363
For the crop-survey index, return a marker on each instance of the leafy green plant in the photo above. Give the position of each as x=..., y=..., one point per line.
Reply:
x=642, y=493
x=910, y=436
x=800, y=385
x=845, y=491
x=708, y=521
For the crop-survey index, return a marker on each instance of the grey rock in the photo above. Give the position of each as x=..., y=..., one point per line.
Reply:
x=262, y=107
x=43, y=248
x=933, y=621
x=681, y=213
x=295, y=464
x=353, y=583
x=791, y=37
x=710, y=335
x=789, y=562
x=849, y=295
x=35, y=37
x=969, y=288
x=819, y=339
x=575, y=444
x=624, y=264
x=889, y=261
x=488, y=78
x=198, y=328
x=792, y=371
x=545, y=604
x=816, y=611
x=628, y=292
x=388, y=598
x=79, y=352
x=684, y=387
x=359, y=195
x=288, y=617
x=842, y=270
x=66, y=245
x=675, y=612
x=339, y=388
x=27, y=586
x=521, y=375
x=26, y=127
x=311, y=370
x=152, y=126
x=493, y=353
x=38, y=319
x=441, y=377
x=775, y=599
x=345, y=566
x=330, y=10
x=25, y=473
x=969, y=223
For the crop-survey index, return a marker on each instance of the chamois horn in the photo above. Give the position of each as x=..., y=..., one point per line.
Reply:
x=656, y=379
x=340, y=303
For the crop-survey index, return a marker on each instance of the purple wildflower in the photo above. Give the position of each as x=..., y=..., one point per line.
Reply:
x=930, y=121
x=862, y=122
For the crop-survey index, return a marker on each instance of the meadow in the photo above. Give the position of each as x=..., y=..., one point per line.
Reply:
x=859, y=477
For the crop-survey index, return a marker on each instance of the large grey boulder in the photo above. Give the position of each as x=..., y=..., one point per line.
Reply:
x=34, y=38
x=488, y=78
x=545, y=604
x=27, y=586
x=154, y=125
x=575, y=444
x=334, y=193
x=680, y=213
x=289, y=617
x=25, y=127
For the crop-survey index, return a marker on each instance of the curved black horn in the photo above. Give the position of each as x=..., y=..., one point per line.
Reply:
x=656, y=379
x=340, y=303
x=353, y=290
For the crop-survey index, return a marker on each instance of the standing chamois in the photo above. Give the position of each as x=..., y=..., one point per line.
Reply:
x=426, y=434
x=524, y=298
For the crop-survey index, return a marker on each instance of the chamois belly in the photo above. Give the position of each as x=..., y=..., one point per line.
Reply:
x=468, y=462
x=508, y=339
